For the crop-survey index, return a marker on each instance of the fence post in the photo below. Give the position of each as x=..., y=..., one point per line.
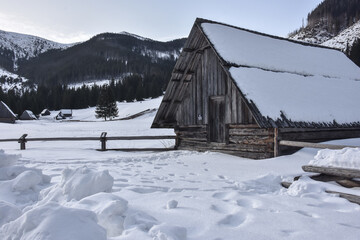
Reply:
x=103, y=141
x=276, y=142
x=22, y=141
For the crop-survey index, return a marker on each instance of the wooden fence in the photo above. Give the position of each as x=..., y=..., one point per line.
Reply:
x=103, y=139
x=313, y=145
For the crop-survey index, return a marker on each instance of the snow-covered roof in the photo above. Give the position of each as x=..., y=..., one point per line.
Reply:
x=66, y=111
x=245, y=48
x=29, y=114
x=45, y=110
x=304, y=83
x=9, y=110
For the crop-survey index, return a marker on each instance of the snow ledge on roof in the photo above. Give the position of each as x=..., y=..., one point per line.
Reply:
x=300, y=98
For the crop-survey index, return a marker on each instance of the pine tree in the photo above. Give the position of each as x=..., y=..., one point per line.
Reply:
x=106, y=107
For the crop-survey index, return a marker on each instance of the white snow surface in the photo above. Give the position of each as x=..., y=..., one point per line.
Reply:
x=13, y=81
x=344, y=158
x=300, y=98
x=157, y=195
x=4, y=72
x=244, y=48
x=316, y=34
x=98, y=82
x=344, y=39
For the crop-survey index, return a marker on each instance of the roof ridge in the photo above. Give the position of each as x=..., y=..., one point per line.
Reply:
x=199, y=21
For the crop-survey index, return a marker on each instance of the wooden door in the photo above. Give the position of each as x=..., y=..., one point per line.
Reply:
x=217, y=119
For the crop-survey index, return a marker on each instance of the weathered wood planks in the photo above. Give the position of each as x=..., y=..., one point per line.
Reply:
x=335, y=171
x=313, y=145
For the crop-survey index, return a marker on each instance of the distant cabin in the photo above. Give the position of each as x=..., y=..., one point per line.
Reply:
x=27, y=115
x=6, y=115
x=238, y=91
x=45, y=112
x=64, y=113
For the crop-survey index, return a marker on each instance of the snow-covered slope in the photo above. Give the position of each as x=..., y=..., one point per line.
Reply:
x=12, y=81
x=344, y=39
x=26, y=46
x=135, y=36
x=316, y=34
x=320, y=35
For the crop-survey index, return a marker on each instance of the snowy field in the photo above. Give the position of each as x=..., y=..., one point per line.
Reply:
x=67, y=190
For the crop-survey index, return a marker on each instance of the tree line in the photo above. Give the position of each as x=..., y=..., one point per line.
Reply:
x=338, y=14
x=133, y=87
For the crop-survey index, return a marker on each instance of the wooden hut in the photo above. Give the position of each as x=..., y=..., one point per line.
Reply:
x=6, y=115
x=45, y=112
x=64, y=113
x=27, y=115
x=238, y=91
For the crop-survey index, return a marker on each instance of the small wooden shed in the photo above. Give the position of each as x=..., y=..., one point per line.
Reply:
x=64, y=113
x=6, y=115
x=238, y=91
x=27, y=115
x=45, y=112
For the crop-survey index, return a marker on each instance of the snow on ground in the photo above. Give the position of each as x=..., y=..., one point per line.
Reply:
x=13, y=81
x=90, y=83
x=125, y=110
x=98, y=82
x=75, y=192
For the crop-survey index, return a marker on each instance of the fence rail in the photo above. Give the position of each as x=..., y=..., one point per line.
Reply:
x=103, y=139
x=313, y=145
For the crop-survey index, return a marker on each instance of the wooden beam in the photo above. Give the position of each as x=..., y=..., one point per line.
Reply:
x=276, y=143
x=334, y=171
x=348, y=183
x=138, y=149
x=179, y=71
x=313, y=145
x=350, y=197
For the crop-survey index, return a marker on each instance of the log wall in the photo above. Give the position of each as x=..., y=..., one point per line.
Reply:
x=243, y=140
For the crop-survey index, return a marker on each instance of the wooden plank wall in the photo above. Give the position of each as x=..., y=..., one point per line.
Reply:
x=210, y=80
x=244, y=140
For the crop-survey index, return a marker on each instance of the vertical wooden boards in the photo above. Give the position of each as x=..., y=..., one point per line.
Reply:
x=217, y=119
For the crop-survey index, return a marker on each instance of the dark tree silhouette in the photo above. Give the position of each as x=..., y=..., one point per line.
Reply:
x=106, y=107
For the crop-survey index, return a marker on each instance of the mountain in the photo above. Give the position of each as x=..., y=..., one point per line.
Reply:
x=345, y=39
x=105, y=56
x=16, y=46
x=336, y=24
x=327, y=20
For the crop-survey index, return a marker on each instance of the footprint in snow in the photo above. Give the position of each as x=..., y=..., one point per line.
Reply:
x=249, y=203
x=233, y=220
x=306, y=214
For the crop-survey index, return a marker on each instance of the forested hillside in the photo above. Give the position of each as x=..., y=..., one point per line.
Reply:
x=104, y=56
x=334, y=23
x=139, y=67
x=327, y=20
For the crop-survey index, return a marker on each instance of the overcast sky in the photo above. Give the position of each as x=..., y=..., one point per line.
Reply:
x=69, y=21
